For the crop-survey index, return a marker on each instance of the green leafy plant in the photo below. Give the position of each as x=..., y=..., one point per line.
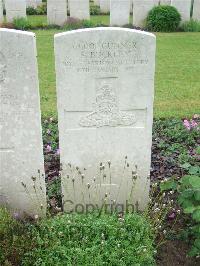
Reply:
x=95, y=10
x=188, y=188
x=191, y=26
x=31, y=11
x=21, y=24
x=92, y=240
x=163, y=18
x=14, y=239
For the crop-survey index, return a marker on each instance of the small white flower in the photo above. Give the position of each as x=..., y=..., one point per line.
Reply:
x=156, y=210
x=36, y=217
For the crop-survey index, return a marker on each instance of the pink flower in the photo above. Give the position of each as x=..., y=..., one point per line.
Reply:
x=186, y=124
x=58, y=151
x=193, y=123
x=172, y=216
x=48, y=148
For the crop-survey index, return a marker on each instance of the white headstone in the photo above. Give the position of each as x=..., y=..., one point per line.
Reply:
x=80, y=9
x=184, y=7
x=104, y=6
x=165, y=2
x=1, y=11
x=33, y=3
x=105, y=91
x=15, y=9
x=22, y=182
x=119, y=12
x=96, y=2
x=141, y=9
x=196, y=10
x=57, y=12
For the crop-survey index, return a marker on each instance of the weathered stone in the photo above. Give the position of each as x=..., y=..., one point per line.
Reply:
x=1, y=11
x=57, y=12
x=183, y=6
x=105, y=90
x=15, y=9
x=104, y=6
x=196, y=10
x=141, y=9
x=165, y=2
x=22, y=182
x=119, y=12
x=33, y=3
x=96, y=2
x=80, y=9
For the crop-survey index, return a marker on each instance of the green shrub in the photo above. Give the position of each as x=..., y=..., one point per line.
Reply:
x=92, y=240
x=21, y=24
x=31, y=11
x=41, y=10
x=163, y=18
x=191, y=26
x=14, y=239
x=95, y=10
x=188, y=188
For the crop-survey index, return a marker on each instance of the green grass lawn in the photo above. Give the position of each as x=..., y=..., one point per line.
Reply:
x=177, y=79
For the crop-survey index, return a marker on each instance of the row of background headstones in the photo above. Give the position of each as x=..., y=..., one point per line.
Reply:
x=83, y=141
x=119, y=9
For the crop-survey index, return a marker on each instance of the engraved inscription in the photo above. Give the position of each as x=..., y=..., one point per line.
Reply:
x=106, y=108
x=106, y=57
x=3, y=68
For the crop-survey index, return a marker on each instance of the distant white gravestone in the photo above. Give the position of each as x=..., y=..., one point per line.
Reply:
x=104, y=6
x=15, y=9
x=96, y=2
x=119, y=12
x=183, y=7
x=1, y=11
x=141, y=9
x=105, y=91
x=196, y=10
x=56, y=12
x=22, y=182
x=165, y=2
x=33, y=3
x=80, y=9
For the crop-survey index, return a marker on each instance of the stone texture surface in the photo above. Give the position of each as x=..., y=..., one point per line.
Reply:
x=1, y=11
x=104, y=6
x=21, y=152
x=119, y=12
x=196, y=10
x=141, y=9
x=80, y=9
x=33, y=3
x=57, y=12
x=105, y=91
x=183, y=6
x=96, y=2
x=165, y=2
x=15, y=9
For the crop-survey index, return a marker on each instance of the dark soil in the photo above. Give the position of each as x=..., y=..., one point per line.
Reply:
x=174, y=253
